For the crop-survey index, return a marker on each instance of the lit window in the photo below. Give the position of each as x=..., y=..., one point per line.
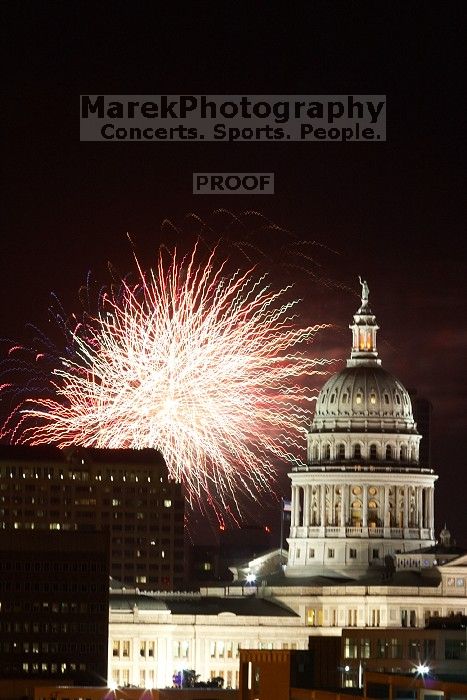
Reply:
x=350, y=648
x=358, y=398
x=167, y=503
x=365, y=648
x=373, y=398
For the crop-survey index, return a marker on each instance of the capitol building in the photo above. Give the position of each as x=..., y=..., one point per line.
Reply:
x=362, y=548
x=363, y=495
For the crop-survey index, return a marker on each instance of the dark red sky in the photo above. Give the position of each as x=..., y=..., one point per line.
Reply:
x=392, y=211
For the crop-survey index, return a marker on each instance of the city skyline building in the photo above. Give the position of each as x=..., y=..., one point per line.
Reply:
x=125, y=493
x=54, y=606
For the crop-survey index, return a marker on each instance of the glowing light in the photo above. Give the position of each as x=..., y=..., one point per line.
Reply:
x=210, y=369
x=422, y=669
x=250, y=578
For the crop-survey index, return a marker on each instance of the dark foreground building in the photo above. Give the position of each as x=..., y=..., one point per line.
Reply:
x=54, y=606
x=126, y=493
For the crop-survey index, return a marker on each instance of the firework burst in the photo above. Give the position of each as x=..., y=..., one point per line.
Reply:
x=207, y=367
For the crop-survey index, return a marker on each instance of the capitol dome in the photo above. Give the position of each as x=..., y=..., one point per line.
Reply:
x=363, y=412
x=368, y=392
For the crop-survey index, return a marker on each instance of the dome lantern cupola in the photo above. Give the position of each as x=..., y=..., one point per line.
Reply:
x=364, y=330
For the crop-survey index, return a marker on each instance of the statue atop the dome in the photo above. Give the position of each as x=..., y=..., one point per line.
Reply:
x=365, y=291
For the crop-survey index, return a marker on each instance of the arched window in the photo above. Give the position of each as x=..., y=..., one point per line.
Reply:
x=398, y=399
x=315, y=452
x=359, y=397
x=388, y=452
x=373, y=452
x=341, y=451
x=386, y=399
x=327, y=451
x=403, y=453
x=333, y=398
x=357, y=451
x=373, y=398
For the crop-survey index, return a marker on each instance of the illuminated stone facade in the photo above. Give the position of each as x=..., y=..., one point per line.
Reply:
x=152, y=637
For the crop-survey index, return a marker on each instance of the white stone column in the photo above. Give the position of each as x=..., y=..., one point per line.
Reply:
x=342, y=508
x=431, y=516
x=406, y=506
x=346, y=503
x=365, y=506
x=292, y=506
x=296, y=505
x=386, y=514
x=322, y=506
x=306, y=505
x=419, y=507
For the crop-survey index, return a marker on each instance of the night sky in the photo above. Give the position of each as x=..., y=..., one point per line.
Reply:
x=391, y=212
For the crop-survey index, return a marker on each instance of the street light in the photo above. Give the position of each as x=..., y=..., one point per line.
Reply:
x=422, y=669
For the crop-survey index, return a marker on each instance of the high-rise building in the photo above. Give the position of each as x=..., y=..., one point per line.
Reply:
x=126, y=493
x=363, y=495
x=54, y=606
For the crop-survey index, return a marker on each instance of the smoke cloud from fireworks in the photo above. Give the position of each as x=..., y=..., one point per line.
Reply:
x=209, y=367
